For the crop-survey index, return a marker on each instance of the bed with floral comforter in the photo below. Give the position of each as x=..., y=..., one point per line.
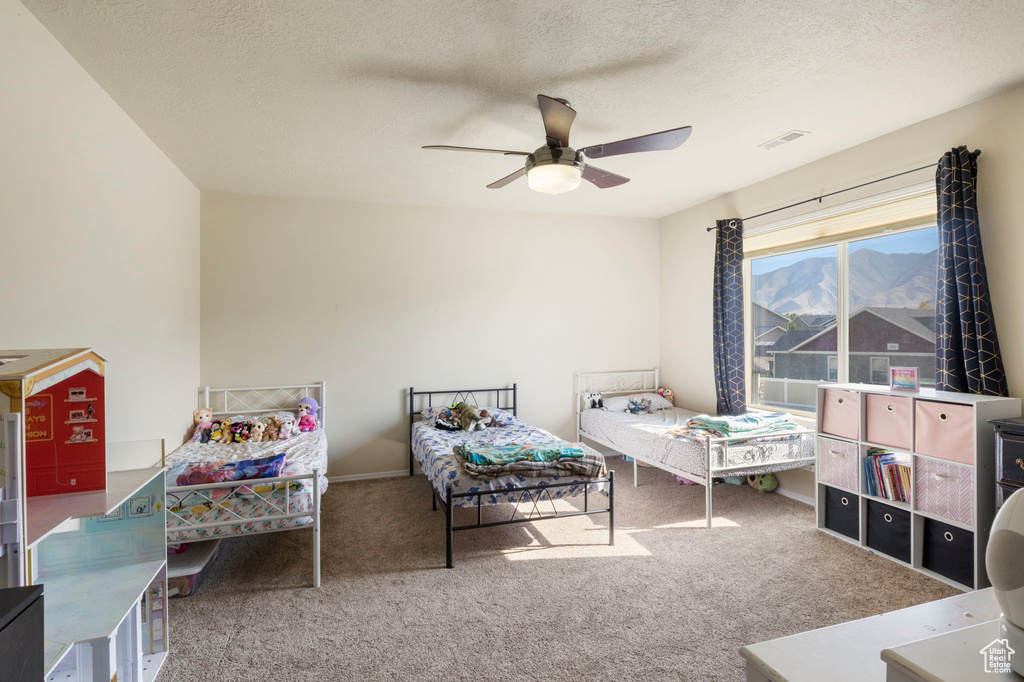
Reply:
x=303, y=453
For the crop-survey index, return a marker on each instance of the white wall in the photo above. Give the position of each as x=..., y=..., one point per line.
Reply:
x=99, y=235
x=376, y=298
x=687, y=251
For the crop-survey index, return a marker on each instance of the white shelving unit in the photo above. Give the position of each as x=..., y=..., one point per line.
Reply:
x=942, y=531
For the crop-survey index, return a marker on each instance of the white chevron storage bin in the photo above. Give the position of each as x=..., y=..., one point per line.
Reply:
x=947, y=442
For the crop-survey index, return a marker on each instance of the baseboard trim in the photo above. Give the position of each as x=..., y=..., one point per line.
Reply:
x=795, y=496
x=365, y=477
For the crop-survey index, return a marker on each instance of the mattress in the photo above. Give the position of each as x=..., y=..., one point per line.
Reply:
x=303, y=453
x=647, y=435
x=433, y=449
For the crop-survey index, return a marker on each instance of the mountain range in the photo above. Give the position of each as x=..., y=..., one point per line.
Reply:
x=896, y=280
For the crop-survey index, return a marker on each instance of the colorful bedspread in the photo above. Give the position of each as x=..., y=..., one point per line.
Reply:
x=434, y=450
x=303, y=453
x=748, y=424
x=533, y=461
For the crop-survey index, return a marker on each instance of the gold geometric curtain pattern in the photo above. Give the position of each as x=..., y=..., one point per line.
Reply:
x=730, y=388
x=967, y=356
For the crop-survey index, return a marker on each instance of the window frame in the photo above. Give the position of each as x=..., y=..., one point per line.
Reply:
x=842, y=244
x=871, y=366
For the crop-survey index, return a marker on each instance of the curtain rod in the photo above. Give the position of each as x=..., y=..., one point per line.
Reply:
x=976, y=154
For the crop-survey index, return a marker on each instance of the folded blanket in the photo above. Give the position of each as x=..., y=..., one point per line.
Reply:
x=743, y=425
x=575, y=461
x=515, y=452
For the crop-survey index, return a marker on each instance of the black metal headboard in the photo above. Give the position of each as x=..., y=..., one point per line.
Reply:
x=464, y=395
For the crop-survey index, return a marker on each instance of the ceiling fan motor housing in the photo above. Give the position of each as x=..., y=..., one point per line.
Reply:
x=548, y=156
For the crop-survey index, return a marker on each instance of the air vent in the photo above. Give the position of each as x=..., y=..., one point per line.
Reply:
x=783, y=139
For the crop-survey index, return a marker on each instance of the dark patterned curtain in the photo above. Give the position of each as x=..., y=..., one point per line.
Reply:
x=966, y=348
x=728, y=318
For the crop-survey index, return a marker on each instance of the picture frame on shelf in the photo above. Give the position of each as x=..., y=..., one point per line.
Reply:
x=905, y=379
x=140, y=506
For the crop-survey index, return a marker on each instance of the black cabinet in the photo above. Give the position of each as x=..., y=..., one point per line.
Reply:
x=21, y=634
x=1009, y=451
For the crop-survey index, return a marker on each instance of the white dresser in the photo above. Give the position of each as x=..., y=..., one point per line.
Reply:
x=949, y=446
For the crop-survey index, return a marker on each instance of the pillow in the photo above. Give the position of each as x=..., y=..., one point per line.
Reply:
x=222, y=472
x=620, y=403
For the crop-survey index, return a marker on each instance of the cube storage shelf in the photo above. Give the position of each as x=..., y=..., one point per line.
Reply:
x=946, y=441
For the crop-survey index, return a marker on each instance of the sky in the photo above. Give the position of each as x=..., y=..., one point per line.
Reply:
x=918, y=241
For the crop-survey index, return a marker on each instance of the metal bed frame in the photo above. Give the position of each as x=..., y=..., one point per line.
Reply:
x=635, y=381
x=256, y=400
x=544, y=490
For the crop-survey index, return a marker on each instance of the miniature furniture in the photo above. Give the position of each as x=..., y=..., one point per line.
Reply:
x=851, y=652
x=21, y=634
x=99, y=552
x=947, y=443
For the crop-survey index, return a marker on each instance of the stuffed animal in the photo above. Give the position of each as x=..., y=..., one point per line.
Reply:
x=308, y=410
x=273, y=428
x=78, y=435
x=763, y=483
x=666, y=393
x=469, y=417
x=226, y=436
x=258, y=430
x=638, y=405
x=288, y=428
x=203, y=419
x=594, y=401
x=242, y=431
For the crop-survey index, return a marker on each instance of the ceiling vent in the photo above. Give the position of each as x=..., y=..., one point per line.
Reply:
x=783, y=139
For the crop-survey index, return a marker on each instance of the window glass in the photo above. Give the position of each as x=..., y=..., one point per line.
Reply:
x=892, y=306
x=794, y=318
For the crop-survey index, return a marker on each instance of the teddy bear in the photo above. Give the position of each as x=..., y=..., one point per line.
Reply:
x=78, y=435
x=258, y=429
x=308, y=409
x=203, y=419
x=273, y=427
x=288, y=428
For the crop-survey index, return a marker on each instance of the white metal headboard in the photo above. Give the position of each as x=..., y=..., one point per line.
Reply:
x=263, y=399
x=629, y=381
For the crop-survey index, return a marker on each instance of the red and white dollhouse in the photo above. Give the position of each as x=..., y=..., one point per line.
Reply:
x=59, y=393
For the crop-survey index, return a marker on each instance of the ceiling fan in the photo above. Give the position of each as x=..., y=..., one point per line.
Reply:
x=556, y=167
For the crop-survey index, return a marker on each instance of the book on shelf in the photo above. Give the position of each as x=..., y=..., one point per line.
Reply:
x=887, y=474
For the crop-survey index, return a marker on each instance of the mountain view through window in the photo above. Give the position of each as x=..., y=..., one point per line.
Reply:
x=891, y=318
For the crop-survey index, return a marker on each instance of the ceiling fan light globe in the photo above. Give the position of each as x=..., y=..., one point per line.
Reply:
x=554, y=178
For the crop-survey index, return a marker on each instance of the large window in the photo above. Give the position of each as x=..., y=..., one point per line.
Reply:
x=843, y=312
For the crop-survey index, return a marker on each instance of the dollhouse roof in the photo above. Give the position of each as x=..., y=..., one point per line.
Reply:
x=22, y=364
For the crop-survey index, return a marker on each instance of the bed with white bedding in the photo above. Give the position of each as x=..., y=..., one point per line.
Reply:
x=659, y=438
x=288, y=501
x=453, y=488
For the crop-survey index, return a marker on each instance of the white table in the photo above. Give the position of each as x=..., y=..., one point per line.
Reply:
x=852, y=651
x=953, y=657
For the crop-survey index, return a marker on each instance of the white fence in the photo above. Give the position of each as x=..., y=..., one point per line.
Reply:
x=788, y=393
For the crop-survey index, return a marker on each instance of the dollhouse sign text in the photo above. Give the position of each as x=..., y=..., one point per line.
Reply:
x=39, y=418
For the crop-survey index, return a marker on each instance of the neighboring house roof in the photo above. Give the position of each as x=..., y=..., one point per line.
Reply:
x=794, y=338
x=769, y=337
x=766, y=318
x=816, y=321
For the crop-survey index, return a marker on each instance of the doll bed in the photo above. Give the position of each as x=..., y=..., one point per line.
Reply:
x=453, y=488
x=646, y=437
x=287, y=502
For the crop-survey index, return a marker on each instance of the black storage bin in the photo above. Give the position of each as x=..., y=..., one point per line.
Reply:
x=842, y=512
x=889, y=530
x=21, y=634
x=949, y=551
x=1010, y=451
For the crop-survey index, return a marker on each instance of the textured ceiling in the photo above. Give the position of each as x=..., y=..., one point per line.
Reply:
x=321, y=98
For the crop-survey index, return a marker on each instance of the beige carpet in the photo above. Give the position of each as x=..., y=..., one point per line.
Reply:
x=533, y=602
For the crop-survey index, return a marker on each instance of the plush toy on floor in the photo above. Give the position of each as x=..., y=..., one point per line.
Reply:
x=763, y=483
x=308, y=409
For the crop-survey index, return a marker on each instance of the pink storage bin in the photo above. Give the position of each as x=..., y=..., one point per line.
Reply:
x=888, y=420
x=840, y=413
x=838, y=463
x=944, y=489
x=944, y=430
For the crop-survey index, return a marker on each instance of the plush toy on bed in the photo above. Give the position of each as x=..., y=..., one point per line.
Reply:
x=226, y=436
x=666, y=393
x=491, y=421
x=273, y=428
x=203, y=419
x=638, y=405
x=288, y=428
x=763, y=483
x=242, y=431
x=258, y=429
x=448, y=420
x=308, y=409
x=470, y=418
x=594, y=401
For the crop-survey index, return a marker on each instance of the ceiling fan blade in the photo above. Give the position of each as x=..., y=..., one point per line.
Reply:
x=558, y=118
x=602, y=178
x=667, y=139
x=475, y=149
x=498, y=184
